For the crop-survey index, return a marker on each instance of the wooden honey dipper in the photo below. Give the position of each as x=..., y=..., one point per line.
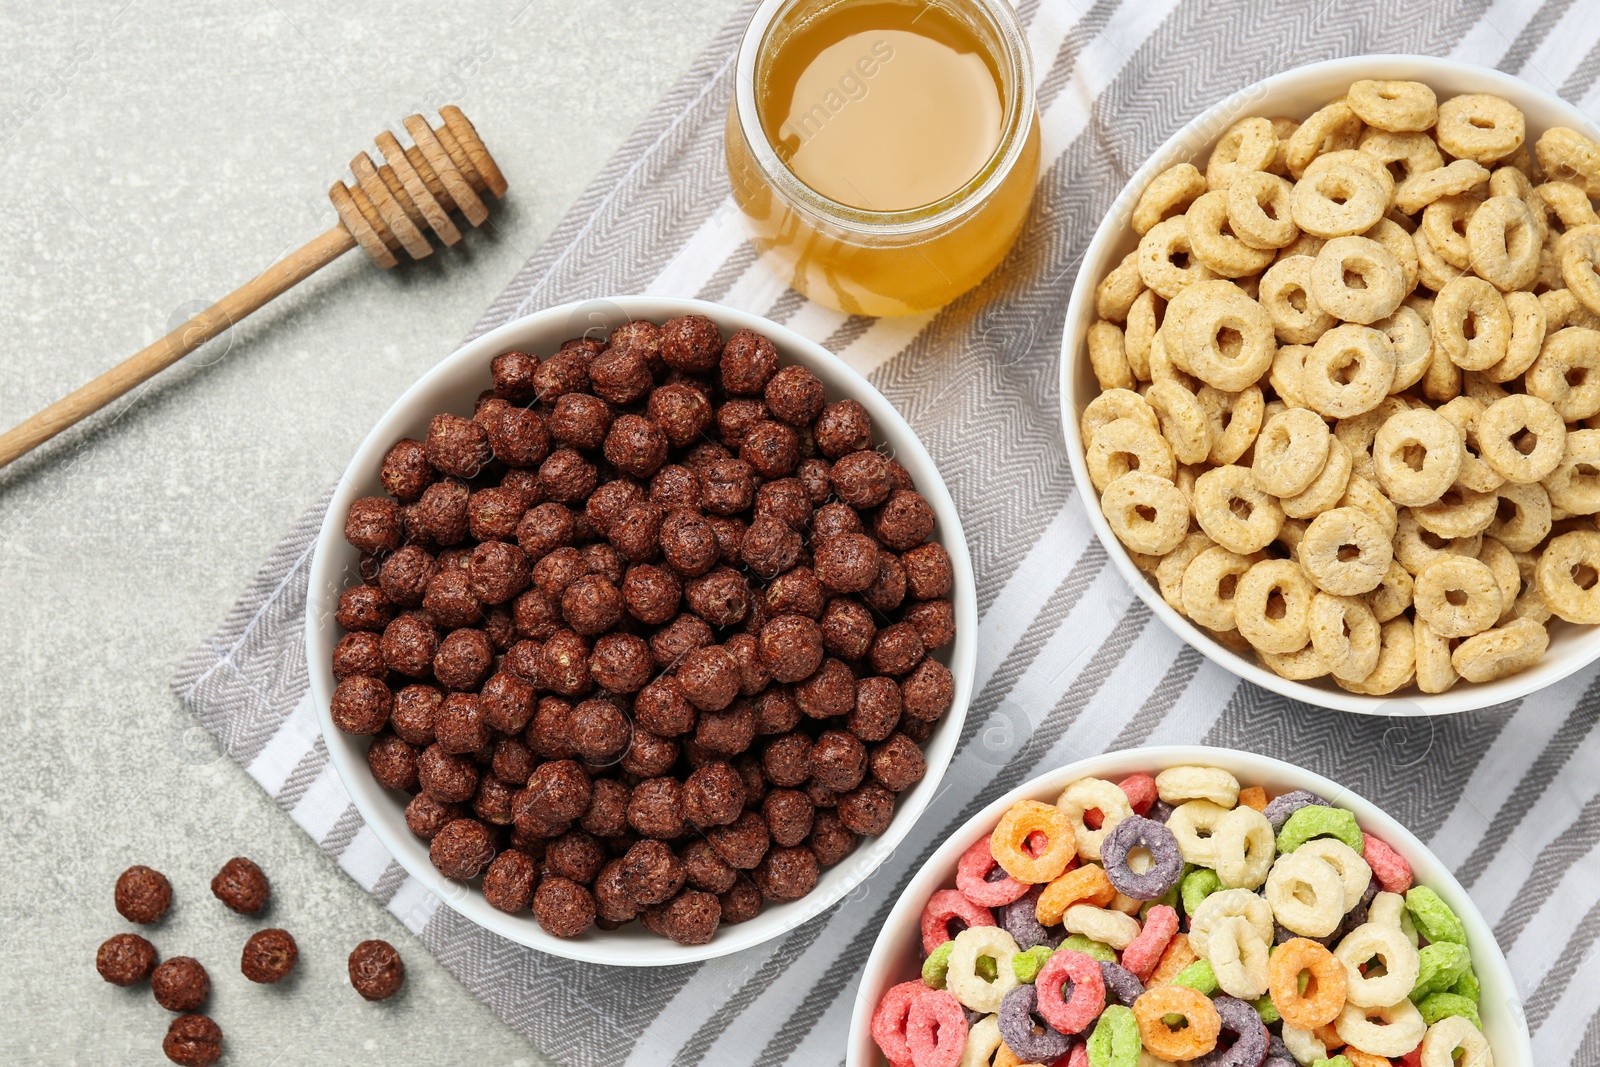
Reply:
x=392, y=206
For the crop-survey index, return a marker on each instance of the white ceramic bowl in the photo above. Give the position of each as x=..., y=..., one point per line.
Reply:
x=896, y=956
x=453, y=386
x=1296, y=93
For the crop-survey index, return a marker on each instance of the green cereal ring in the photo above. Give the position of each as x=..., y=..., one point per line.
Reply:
x=1196, y=886
x=1433, y=916
x=1443, y=1005
x=1027, y=964
x=1093, y=949
x=1314, y=820
x=1442, y=965
x=1266, y=1009
x=936, y=965
x=1467, y=985
x=985, y=967
x=1337, y=1061
x=1115, y=1041
x=1198, y=976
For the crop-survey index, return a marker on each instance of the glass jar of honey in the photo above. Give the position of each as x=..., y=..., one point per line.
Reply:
x=883, y=152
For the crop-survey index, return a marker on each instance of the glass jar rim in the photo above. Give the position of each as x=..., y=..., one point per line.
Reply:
x=1013, y=52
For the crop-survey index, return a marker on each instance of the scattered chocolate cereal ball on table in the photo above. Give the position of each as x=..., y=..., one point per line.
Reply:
x=180, y=984
x=125, y=959
x=376, y=970
x=269, y=956
x=143, y=895
x=1178, y=917
x=661, y=611
x=193, y=1041
x=241, y=885
x=1342, y=418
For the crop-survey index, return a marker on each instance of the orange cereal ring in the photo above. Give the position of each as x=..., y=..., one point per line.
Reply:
x=1253, y=796
x=1328, y=1036
x=1088, y=884
x=1009, y=842
x=1323, y=997
x=1187, y=1042
x=1178, y=955
x=1358, y=1058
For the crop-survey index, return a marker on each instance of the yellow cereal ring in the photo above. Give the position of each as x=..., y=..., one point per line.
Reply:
x=1420, y=190
x=1233, y=512
x=1183, y=421
x=1344, y=630
x=1111, y=405
x=1578, y=255
x=1568, y=156
x=1348, y=371
x=1417, y=455
x=1107, y=358
x=1250, y=195
x=1445, y=223
x=1415, y=152
x=1337, y=199
x=1397, y=661
x=1326, y=491
x=1208, y=583
x=1290, y=452
x=1170, y=571
x=1435, y=672
x=1285, y=293
x=1500, y=652
x=1381, y=280
x=1156, y=260
x=1570, y=488
x=1235, y=420
x=1505, y=240
x=1529, y=520
x=1565, y=575
x=1471, y=298
x=1528, y=325
x=1249, y=145
x=1397, y=106
x=1223, y=252
x=1169, y=194
x=1124, y=445
x=1148, y=514
x=1118, y=289
x=1280, y=583
x=1322, y=552
x=1480, y=127
x=1505, y=422
x=1333, y=128
x=1393, y=594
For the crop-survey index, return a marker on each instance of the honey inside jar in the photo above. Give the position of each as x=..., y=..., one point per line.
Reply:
x=884, y=152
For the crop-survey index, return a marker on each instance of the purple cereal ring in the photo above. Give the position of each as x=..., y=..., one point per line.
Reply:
x=1281, y=933
x=1358, y=914
x=1166, y=859
x=1279, y=810
x=1159, y=812
x=1122, y=984
x=1025, y=1033
x=1249, y=1046
x=1020, y=919
x=1278, y=1054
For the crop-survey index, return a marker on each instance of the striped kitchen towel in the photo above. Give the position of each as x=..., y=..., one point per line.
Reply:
x=1070, y=662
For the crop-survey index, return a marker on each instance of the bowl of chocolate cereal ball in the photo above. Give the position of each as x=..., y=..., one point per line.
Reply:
x=641, y=630
x=1329, y=379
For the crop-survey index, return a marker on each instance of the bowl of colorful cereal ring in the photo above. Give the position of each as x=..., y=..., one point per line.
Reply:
x=1327, y=385
x=1185, y=904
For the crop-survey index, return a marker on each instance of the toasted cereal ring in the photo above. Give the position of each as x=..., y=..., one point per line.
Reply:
x=1437, y=1006
x=1476, y=475
x=1372, y=987
x=1244, y=846
x=1124, y=445
x=1417, y=455
x=1413, y=151
x=1117, y=290
x=1086, y=794
x=1388, y=866
x=1567, y=372
x=1249, y=145
x=1441, y=966
x=1306, y=894
x=1578, y=255
x=1148, y=514
x=1101, y=924
x=1170, y=571
x=1291, y=451
x=1235, y=420
x=1568, y=156
x=1238, y=957
x=1107, y=358
x=1333, y=128
x=1169, y=194
x=975, y=864
x=1087, y=883
x=1411, y=342
x=1392, y=1030
x=1144, y=319
x=1322, y=998
x=1460, y=512
x=1156, y=252
x=1111, y=405
x=1397, y=239
x=1088, y=991
x=1009, y=841
x=1471, y=299
x=1322, y=551
x=1381, y=280
x=1415, y=548
x=1563, y=309
x=1222, y=252
x=1523, y=517
x=1457, y=596
x=1501, y=429
x=1175, y=785
x=1192, y=824
x=1022, y=1033
x=1285, y=293
x=1162, y=369
x=1326, y=491
x=1397, y=106
x=1233, y=512
x=1420, y=190
x=942, y=906
x=1183, y=421
x=936, y=1029
x=1209, y=583
x=1505, y=242
x=1444, y=222
x=1567, y=202
x=1452, y=1035
x=972, y=989
x=1479, y=127
x=1272, y=606
x=1165, y=858
x=1502, y=651
x=889, y=1022
x=1284, y=376
x=1393, y=595
x=1344, y=631
x=1359, y=431
x=1301, y=665
x=1337, y=199
x=1527, y=337
x=1250, y=195
x=1573, y=486
x=1226, y=904
x=1194, y=1037
x=1435, y=674
x=1348, y=371
x=1227, y=342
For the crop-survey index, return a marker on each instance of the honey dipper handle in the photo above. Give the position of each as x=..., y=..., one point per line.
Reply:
x=151, y=360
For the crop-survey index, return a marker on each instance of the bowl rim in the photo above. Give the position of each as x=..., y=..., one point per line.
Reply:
x=332, y=556
x=1514, y=1049
x=1080, y=312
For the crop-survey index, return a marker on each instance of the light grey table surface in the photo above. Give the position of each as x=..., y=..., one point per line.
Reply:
x=155, y=156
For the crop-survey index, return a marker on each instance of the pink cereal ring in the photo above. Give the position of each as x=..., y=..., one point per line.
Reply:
x=1141, y=792
x=889, y=1022
x=936, y=1029
x=1388, y=866
x=1144, y=951
x=1088, y=991
x=976, y=863
x=1078, y=1057
x=943, y=906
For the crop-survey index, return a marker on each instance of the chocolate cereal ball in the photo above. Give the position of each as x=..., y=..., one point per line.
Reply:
x=791, y=647
x=897, y=649
x=816, y=478
x=831, y=841
x=776, y=710
x=620, y=374
x=704, y=869
x=905, y=521
x=898, y=763
x=610, y=501
x=929, y=573
x=678, y=638
x=509, y=881
x=709, y=678
x=125, y=959
x=789, y=814
x=448, y=778
x=563, y=907
x=269, y=956
x=794, y=395
x=566, y=477
x=691, y=343
x=621, y=662
x=771, y=448
x=449, y=601
x=888, y=589
x=406, y=471
x=575, y=855
x=513, y=761
x=867, y=810
x=543, y=529
x=495, y=801
x=636, y=533
x=727, y=486
x=838, y=761
x=847, y=562
x=721, y=596
x=786, y=760
x=462, y=849
x=456, y=446
x=559, y=789
x=636, y=446
x=770, y=547
x=519, y=438
x=364, y=607
x=493, y=513
x=877, y=709
x=713, y=795
x=498, y=572
x=180, y=984
x=651, y=873
x=690, y=918
x=557, y=570
x=513, y=376
x=564, y=664
x=847, y=628
x=441, y=514
x=507, y=702
x=651, y=594
x=414, y=713
x=242, y=885
x=786, y=500
x=746, y=652
x=193, y=1041
x=934, y=620
x=612, y=903
x=674, y=486
x=861, y=479
x=359, y=653
x=409, y=644
x=843, y=428
x=426, y=816
x=649, y=755
x=376, y=970
x=681, y=413
x=834, y=518
x=598, y=730
x=741, y=903
x=373, y=524
x=605, y=561
x=663, y=708
x=361, y=705
x=727, y=732
x=580, y=420
x=656, y=808
x=736, y=417
x=786, y=873
x=688, y=543
x=404, y=576
x=830, y=691
x=748, y=363
x=927, y=691
x=607, y=814
x=464, y=659
x=743, y=842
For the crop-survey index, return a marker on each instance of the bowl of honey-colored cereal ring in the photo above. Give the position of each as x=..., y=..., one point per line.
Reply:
x=1330, y=383
x=1185, y=904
